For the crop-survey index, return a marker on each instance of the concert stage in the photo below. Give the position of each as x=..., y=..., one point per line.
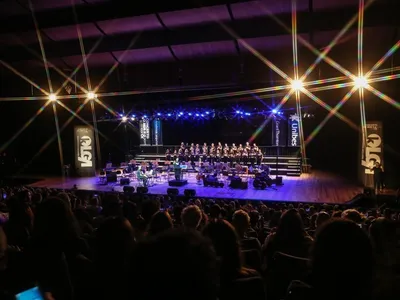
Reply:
x=317, y=187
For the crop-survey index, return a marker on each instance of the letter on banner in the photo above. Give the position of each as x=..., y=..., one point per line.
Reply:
x=294, y=137
x=144, y=126
x=371, y=152
x=84, y=151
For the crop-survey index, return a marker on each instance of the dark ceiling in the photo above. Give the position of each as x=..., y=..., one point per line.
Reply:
x=167, y=43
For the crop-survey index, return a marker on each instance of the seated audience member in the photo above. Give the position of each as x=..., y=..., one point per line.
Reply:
x=176, y=265
x=353, y=215
x=241, y=222
x=94, y=208
x=18, y=228
x=161, y=221
x=342, y=262
x=215, y=212
x=114, y=249
x=322, y=218
x=385, y=240
x=226, y=244
x=289, y=238
x=149, y=208
x=191, y=217
x=56, y=248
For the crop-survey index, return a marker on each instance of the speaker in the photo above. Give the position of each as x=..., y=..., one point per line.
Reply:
x=124, y=181
x=172, y=192
x=112, y=177
x=190, y=193
x=278, y=180
x=142, y=190
x=128, y=189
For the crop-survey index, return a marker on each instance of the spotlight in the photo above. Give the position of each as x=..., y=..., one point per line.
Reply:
x=238, y=111
x=158, y=114
x=145, y=116
x=207, y=112
x=168, y=115
x=202, y=115
x=133, y=118
x=297, y=85
x=181, y=113
x=274, y=111
x=91, y=95
x=189, y=114
x=361, y=82
x=197, y=115
x=247, y=114
x=121, y=115
x=52, y=97
x=124, y=119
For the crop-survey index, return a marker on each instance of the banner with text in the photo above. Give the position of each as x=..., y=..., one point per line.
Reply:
x=294, y=131
x=84, y=151
x=371, y=151
x=144, y=127
x=157, y=139
x=279, y=136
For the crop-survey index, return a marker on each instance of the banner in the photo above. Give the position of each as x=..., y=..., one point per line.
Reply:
x=279, y=130
x=144, y=127
x=294, y=131
x=156, y=137
x=84, y=151
x=371, y=151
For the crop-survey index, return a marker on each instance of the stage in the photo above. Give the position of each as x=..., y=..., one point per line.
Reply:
x=317, y=187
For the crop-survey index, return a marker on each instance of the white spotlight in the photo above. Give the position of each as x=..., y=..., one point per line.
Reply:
x=361, y=82
x=91, y=95
x=52, y=97
x=297, y=85
x=124, y=119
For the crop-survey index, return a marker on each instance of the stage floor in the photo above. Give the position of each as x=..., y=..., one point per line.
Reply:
x=318, y=187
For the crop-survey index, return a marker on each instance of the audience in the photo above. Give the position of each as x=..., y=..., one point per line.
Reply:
x=77, y=245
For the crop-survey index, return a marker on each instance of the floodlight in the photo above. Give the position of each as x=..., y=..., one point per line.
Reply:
x=91, y=95
x=52, y=97
x=297, y=85
x=361, y=82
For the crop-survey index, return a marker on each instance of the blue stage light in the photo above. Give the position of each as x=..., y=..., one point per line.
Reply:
x=189, y=114
x=158, y=114
x=133, y=116
x=274, y=111
x=280, y=113
x=247, y=114
x=145, y=116
x=181, y=113
x=197, y=115
x=207, y=112
x=238, y=111
x=121, y=115
x=202, y=115
x=168, y=115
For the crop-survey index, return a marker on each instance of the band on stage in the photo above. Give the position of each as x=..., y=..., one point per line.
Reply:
x=247, y=154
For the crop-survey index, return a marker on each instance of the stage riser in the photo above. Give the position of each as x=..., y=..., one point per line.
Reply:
x=289, y=166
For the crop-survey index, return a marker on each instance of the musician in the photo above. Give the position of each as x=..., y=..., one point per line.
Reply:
x=226, y=154
x=213, y=152
x=226, y=147
x=218, y=155
x=245, y=156
x=255, y=148
x=181, y=153
x=248, y=147
x=239, y=155
x=240, y=148
x=197, y=152
x=187, y=152
x=259, y=156
x=175, y=154
x=252, y=156
x=219, y=146
x=234, y=148
x=168, y=155
x=205, y=152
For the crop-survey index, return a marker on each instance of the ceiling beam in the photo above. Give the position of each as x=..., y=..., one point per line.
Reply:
x=96, y=12
x=259, y=27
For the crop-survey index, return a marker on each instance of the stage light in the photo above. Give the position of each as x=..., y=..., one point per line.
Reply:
x=124, y=119
x=202, y=115
x=133, y=118
x=52, y=97
x=168, y=115
x=197, y=115
x=189, y=114
x=361, y=82
x=274, y=111
x=158, y=114
x=181, y=113
x=297, y=85
x=207, y=112
x=91, y=95
x=247, y=114
x=238, y=111
x=145, y=116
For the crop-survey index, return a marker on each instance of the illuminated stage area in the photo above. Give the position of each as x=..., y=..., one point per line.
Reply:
x=317, y=187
